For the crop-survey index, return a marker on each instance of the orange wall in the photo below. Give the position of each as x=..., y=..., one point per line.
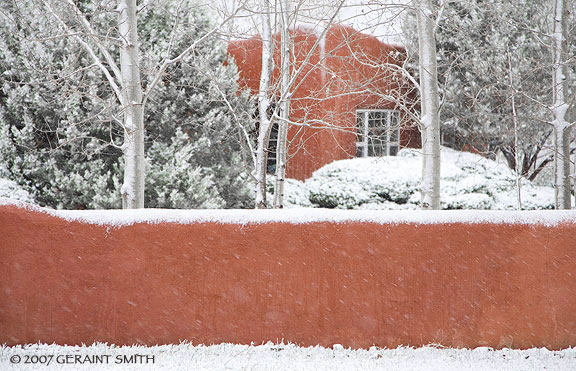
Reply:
x=339, y=78
x=356, y=284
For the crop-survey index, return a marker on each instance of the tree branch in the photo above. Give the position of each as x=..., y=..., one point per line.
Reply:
x=99, y=45
x=91, y=52
x=167, y=62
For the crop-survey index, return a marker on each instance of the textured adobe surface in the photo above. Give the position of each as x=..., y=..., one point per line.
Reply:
x=356, y=284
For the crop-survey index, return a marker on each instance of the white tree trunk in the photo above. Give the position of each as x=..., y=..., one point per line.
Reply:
x=562, y=167
x=517, y=164
x=430, y=103
x=134, y=165
x=263, y=106
x=559, y=107
x=282, y=147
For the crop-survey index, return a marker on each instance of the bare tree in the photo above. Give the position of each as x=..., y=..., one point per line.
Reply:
x=264, y=101
x=279, y=21
x=133, y=103
x=430, y=105
x=560, y=106
x=474, y=79
x=517, y=164
x=285, y=97
x=125, y=80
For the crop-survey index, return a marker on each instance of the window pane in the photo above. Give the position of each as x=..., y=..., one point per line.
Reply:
x=376, y=119
x=394, y=126
x=376, y=147
x=394, y=135
x=360, y=126
x=394, y=119
x=272, y=145
x=377, y=133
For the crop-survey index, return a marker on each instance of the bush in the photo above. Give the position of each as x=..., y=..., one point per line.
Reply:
x=10, y=189
x=468, y=181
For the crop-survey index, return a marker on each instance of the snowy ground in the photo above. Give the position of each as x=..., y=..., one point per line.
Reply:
x=281, y=357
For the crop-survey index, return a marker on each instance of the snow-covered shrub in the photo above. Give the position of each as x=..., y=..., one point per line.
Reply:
x=468, y=181
x=295, y=192
x=10, y=189
x=298, y=196
x=333, y=193
x=477, y=201
x=351, y=183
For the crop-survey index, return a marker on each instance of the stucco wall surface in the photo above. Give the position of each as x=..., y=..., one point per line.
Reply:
x=357, y=284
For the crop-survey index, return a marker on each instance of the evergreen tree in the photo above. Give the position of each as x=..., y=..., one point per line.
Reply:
x=59, y=119
x=480, y=44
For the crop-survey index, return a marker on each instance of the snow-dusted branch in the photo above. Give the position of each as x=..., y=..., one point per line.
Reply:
x=170, y=61
x=91, y=52
x=439, y=14
x=88, y=27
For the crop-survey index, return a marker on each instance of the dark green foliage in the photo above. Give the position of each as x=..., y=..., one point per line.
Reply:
x=60, y=120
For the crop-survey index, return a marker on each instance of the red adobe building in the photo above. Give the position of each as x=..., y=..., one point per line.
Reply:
x=350, y=99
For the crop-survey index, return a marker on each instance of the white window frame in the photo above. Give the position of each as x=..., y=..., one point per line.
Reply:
x=362, y=132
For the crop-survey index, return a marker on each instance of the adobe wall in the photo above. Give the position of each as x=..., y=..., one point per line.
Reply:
x=355, y=284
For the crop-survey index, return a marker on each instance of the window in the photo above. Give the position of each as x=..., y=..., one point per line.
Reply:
x=273, y=139
x=378, y=133
x=272, y=145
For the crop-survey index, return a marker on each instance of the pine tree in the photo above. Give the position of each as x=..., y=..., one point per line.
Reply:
x=59, y=120
x=480, y=43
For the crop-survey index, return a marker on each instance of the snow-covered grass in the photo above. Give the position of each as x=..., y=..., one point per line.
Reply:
x=468, y=181
x=302, y=216
x=279, y=357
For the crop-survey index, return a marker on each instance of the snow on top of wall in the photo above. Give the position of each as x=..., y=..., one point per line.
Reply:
x=302, y=216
